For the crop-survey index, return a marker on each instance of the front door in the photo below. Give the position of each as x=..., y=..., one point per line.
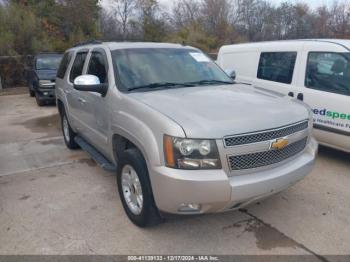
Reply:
x=96, y=106
x=327, y=90
x=73, y=96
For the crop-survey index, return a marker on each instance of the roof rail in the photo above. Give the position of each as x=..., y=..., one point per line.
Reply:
x=90, y=42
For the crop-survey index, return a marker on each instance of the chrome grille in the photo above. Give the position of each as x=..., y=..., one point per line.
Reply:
x=260, y=159
x=265, y=135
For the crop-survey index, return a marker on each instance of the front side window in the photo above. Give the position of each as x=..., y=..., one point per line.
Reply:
x=78, y=65
x=277, y=66
x=329, y=72
x=165, y=68
x=48, y=62
x=64, y=65
x=97, y=66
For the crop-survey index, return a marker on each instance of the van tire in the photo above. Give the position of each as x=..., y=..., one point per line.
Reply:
x=68, y=134
x=149, y=214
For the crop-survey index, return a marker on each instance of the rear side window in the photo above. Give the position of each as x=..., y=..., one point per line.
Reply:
x=98, y=66
x=277, y=66
x=64, y=65
x=78, y=65
x=329, y=72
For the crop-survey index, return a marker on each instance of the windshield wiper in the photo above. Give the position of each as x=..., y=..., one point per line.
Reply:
x=160, y=85
x=209, y=81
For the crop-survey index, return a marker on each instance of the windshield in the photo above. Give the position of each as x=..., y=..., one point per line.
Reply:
x=165, y=68
x=48, y=62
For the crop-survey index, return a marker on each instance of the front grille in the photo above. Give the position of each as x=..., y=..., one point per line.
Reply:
x=265, y=135
x=266, y=158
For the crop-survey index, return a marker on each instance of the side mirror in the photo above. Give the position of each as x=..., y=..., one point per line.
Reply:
x=90, y=83
x=231, y=73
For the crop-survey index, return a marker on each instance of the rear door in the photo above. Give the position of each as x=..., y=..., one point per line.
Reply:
x=325, y=86
x=277, y=72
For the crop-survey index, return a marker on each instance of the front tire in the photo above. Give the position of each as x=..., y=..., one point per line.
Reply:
x=68, y=133
x=39, y=101
x=135, y=189
x=31, y=91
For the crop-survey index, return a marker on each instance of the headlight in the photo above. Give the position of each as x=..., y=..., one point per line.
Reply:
x=183, y=153
x=46, y=83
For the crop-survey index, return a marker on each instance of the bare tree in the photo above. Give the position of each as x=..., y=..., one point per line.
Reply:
x=185, y=13
x=216, y=16
x=340, y=19
x=123, y=10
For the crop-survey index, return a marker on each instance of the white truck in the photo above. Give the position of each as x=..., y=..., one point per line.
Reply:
x=316, y=71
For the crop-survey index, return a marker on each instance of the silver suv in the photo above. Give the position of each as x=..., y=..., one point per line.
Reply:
x=182, y=136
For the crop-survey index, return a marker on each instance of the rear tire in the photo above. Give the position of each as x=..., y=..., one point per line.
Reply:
x=135, y=189
x=68, y=133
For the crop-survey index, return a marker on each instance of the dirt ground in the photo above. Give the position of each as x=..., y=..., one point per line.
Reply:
x=57, y=201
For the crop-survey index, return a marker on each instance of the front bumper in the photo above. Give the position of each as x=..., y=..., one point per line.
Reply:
x=46, y=93
x=214, y=191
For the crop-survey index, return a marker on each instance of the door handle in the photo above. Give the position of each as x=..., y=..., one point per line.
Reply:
x=300, y=96
x=291, y=94
x=81, y=100
x=66, y=92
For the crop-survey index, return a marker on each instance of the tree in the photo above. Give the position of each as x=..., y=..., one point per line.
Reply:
x=153, y=25
x=123, y=11
x=185, y=13
x=21, y=32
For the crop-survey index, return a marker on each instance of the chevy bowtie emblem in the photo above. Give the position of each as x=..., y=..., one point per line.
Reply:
x=279, y=144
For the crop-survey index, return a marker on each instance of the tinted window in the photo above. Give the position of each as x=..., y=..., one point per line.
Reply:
x=77, y=68
x=328, y=72
x=64, y=65
x=277, y=67
x=143, y=66
x=48, y=62
x=98, y=67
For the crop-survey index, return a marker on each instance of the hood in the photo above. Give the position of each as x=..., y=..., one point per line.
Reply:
x=46, y=74
x=218, y=111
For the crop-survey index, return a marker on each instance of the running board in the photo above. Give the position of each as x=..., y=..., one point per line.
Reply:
x=95, y=155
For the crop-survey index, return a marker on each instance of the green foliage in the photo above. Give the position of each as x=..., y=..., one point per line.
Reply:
x=32, y=26
x=195, y=36
x=21, y=31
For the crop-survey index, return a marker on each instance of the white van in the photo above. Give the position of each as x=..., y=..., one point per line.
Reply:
x=316, y=71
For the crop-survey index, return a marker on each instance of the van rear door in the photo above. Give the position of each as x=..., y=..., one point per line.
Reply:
x=277, y=72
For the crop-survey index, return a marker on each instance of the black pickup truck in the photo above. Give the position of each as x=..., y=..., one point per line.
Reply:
x=42, y=76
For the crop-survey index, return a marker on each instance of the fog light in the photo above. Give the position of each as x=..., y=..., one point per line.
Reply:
x=190, y=208
x=46, y=93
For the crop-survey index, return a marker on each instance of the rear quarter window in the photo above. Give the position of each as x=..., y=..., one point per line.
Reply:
x=277, y=66
x=61, y=72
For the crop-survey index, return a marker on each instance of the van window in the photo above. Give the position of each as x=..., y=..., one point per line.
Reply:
x=97, y=66
x=329, y=72
x=78, y=65
x=64, y=65
x=277, y=66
